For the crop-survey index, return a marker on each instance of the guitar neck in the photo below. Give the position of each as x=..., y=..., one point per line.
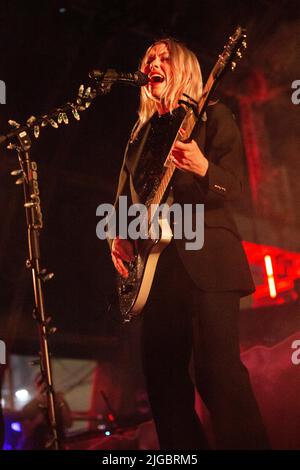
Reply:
x=169, y=171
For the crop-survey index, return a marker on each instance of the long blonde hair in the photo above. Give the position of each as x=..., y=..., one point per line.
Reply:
x=185, y=78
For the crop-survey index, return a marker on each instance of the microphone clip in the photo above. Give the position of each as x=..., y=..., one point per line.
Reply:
x=111, y=76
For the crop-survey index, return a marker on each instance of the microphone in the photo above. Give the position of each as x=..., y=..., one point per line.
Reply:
x=137, y=78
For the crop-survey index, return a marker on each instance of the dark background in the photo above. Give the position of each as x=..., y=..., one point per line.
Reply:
x=47, y=49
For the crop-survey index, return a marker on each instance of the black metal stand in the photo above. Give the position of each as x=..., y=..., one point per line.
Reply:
x=19, y=139
x=29, y=178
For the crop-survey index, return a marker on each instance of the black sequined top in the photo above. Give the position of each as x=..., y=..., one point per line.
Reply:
x=161, y=135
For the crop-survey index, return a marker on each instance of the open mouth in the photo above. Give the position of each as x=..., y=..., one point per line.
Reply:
x=156, y=78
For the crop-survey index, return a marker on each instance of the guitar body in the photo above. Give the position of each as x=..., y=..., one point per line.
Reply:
x=134, y=290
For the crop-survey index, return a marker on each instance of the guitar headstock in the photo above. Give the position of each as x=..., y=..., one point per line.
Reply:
x=232, y=53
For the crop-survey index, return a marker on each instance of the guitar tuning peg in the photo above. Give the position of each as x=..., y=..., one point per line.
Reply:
x=36, y=131
x=244, y=44
x=239, y=54
x=76, y=114
x=53, y=123
x=60, y=118
x=233, y=65
x=44, y=123
x=65, y=118
x=13, y=123
x=87, y=104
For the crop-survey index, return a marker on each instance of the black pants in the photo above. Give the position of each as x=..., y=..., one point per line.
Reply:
x=179, y=321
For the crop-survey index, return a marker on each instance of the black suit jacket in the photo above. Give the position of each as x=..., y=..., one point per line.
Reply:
x=221, y=264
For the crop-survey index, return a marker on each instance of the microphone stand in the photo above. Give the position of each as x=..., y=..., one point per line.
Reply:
x=28, y=176
x=34, y=222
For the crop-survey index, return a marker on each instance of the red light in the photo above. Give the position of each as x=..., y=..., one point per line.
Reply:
x=275, y=272
x=270, y=274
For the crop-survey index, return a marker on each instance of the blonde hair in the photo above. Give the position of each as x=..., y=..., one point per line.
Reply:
x=185, y=78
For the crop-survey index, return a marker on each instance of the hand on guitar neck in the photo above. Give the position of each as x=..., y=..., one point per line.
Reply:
x=122, y=250
x=187, y=156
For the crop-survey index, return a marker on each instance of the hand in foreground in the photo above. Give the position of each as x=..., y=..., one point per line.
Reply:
x=187, y=156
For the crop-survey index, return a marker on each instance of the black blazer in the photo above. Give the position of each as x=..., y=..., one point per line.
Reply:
x=221, y=264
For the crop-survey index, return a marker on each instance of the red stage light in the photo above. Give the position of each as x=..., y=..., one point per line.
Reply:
x=275, y=272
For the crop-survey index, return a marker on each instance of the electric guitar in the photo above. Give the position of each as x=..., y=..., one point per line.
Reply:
x=134, y=290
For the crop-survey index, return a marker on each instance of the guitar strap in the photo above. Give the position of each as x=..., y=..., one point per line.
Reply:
x=200, y=128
